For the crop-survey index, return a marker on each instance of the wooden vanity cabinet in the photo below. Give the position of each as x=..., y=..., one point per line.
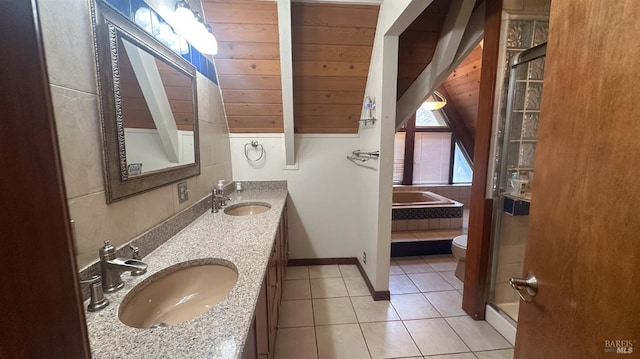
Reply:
x=261, y=339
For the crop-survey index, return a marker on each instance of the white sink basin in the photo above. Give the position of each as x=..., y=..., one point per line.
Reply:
x=247, y=209
x=177, y=296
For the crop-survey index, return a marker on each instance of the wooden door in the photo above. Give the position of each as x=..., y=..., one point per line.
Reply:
x=41, y=303
x=584, y=229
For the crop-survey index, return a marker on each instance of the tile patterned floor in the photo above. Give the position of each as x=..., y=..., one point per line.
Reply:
x=327, y=313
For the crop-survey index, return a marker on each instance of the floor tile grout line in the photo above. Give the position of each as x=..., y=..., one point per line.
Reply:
x=412, y=338
x=313, y=315
x=360, y=326
x=458, y=335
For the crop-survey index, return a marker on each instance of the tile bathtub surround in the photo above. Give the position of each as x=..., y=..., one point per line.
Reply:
x=412, y=325
x=220, y=333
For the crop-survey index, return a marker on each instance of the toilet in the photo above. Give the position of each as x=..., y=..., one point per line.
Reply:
x=459, y=250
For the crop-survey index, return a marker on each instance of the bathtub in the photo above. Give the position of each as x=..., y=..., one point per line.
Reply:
x=416, y=198
x=420, y=210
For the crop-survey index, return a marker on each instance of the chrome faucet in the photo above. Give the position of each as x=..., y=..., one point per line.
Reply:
x=111, y=268
x=218, y=200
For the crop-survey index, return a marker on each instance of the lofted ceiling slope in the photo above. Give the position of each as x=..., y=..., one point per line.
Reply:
x=418, y=42
x=463, y=88
x=332, y=47
x=417, y=45
x=248, y=63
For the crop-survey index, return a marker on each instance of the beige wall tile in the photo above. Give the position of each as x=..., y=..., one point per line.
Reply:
x=96, y=222
x=154, y=207
x=79, y=140
x=68, y=44
x=66, y=29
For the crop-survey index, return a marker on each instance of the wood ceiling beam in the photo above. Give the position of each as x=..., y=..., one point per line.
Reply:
x=461, y=32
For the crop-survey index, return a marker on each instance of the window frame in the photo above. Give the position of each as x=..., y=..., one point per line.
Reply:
x=410, y=130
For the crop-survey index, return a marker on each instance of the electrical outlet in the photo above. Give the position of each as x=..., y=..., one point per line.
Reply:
x=364, y=257
x=183, y=192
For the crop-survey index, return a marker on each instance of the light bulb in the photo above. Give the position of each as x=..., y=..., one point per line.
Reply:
x=183, y=17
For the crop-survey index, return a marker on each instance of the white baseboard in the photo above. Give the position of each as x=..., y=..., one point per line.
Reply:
x=501, y=324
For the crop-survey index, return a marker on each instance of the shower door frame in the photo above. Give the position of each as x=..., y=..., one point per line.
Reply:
x=518, y=59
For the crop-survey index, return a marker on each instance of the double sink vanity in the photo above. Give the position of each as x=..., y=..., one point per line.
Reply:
x=211, y=291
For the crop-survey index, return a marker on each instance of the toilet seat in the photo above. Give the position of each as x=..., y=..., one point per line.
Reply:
x=460, y=241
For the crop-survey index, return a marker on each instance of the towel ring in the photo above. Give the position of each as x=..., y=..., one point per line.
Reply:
x=255, y=145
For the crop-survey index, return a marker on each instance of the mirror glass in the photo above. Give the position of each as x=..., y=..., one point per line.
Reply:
x=157, y=111
x=148, y=101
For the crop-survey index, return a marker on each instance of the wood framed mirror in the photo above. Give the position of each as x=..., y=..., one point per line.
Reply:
x=148, y=106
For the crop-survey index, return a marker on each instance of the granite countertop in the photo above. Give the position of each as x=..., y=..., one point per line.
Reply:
x=246, y=242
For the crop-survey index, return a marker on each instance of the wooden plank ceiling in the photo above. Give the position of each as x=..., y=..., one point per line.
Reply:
x=417, y=45
x=332, y=47
x=248, y=63
x=418, y=42
x=462, y=88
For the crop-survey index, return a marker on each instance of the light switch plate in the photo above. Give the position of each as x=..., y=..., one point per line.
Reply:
x=183, y=192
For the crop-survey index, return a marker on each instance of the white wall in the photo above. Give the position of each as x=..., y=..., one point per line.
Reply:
x=375, y=184
x=145, y=146
x=323, y=201
x=340, y=209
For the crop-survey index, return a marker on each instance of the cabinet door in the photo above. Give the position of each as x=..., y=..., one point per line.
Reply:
x=262, y=325
x=272, y=278
x=273, y=326
x=250, y=350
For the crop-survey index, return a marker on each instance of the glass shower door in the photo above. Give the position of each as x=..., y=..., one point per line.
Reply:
x=515, y=177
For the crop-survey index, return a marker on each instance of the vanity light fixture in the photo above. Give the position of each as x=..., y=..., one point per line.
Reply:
x=435, y=102
x=192, y=27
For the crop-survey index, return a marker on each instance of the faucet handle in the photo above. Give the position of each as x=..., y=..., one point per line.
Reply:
x=136, y=255
x=136, y=251
x=98, y=301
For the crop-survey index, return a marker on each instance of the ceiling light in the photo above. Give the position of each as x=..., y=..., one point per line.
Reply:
x=192, y=27
x=435, y=102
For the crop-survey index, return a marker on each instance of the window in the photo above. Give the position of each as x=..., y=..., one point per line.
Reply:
x=462, y=172
x=426, y=152
x=432, y=157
